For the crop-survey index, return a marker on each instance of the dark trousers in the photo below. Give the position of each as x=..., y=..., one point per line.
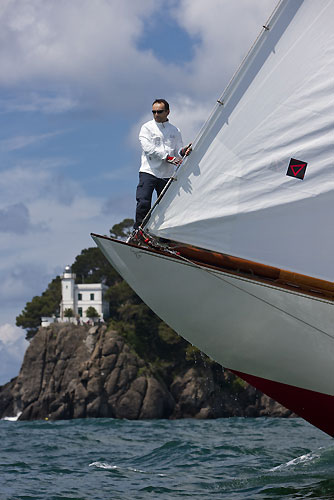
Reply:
x=147, y=184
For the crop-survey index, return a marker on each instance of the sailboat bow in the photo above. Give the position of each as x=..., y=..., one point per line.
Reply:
x=277, y=338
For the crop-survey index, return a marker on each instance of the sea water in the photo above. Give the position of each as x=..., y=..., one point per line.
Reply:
x=100, y=459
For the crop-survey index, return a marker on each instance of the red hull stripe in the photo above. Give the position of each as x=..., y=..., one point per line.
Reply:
x=316, y=408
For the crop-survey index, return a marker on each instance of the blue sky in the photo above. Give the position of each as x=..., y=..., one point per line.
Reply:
x=77, y=79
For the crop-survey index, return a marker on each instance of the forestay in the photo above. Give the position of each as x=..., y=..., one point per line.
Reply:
x=233, y=194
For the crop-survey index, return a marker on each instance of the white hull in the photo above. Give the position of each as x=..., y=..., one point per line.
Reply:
x=244, y=325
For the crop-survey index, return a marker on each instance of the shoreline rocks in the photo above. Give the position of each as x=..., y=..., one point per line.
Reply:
x=74, y=371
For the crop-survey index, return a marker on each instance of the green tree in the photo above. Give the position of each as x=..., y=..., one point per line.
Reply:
x=68, y=313
x=122, y=230
x=152, y=339
x=91, y=266
x=91, y=312
x=45, y=305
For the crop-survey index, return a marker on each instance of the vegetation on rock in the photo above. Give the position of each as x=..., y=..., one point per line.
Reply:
x=68, y=313
x=92, y=312
x=122, y=230
x=45, y=305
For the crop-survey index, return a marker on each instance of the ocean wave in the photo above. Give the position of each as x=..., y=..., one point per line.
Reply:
x=104, y=465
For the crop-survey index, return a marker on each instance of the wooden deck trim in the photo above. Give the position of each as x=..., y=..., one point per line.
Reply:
x=248, y=269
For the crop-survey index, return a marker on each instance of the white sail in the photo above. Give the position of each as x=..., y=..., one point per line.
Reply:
x=233, y=194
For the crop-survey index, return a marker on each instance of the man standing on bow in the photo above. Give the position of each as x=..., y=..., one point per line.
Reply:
x=162, y=150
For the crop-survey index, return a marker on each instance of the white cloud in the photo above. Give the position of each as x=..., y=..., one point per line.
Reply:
x=34, y=102
x=15, y=218
x=189, y=116
x=28, y=183
x=46, y=228
x=121, y=174
x=20, y=142
x=118, y=205
x=82, y=48
x=20, y=281
x=84, y=54
x=10, y=335
x=226, y=31
x=12, y=349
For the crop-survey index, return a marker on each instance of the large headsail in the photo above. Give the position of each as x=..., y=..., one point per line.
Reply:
x=233, y=194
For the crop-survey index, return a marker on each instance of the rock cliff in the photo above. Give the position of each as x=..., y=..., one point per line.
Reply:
x=76, y=372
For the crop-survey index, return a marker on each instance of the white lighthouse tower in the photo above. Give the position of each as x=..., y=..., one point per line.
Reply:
x=67, y=290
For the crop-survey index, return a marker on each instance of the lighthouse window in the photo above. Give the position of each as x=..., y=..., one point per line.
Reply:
x=79, y=296
x=80, y=311
x=91, y=296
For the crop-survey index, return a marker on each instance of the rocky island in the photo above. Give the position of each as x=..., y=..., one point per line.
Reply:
x=74, y=371
x=132, y=366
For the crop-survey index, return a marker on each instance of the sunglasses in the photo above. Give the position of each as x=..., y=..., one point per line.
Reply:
x=158, y=111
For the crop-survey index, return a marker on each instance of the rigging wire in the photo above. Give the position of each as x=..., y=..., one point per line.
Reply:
x=214, y=274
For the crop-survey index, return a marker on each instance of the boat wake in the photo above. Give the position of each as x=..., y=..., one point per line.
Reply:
x=308, y=459
x=302, y=460
x=106, y=466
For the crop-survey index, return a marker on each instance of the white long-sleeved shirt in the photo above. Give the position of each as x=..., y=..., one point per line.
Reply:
x=159, y=140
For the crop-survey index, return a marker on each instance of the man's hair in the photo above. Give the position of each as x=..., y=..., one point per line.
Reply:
x=163, y=101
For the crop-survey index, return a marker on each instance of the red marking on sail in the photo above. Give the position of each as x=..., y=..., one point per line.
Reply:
x=315, y=407
x=296, y=169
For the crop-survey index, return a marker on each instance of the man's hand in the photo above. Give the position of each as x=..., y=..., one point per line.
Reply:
x=186, y=150
x=174, y=160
